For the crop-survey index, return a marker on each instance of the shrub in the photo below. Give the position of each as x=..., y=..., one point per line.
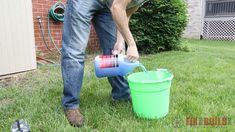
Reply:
x=158, y=25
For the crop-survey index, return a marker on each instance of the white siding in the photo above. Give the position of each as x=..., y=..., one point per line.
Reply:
x=17, y=44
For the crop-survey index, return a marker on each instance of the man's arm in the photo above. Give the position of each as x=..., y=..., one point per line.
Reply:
x=120, y=16
x=119, y=45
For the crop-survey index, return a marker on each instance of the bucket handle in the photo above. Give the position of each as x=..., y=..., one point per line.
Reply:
x=162, y=70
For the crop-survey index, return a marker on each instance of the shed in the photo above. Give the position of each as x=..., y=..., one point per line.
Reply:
x=17, y=44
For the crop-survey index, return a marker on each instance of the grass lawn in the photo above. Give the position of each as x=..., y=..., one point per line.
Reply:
x=203, y=86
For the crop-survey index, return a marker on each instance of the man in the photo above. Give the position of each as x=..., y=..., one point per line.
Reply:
x=107, y=16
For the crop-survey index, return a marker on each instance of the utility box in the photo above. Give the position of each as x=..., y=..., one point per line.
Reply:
x=17, y=44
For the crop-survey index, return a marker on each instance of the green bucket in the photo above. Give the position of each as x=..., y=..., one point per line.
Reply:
x=150, y=93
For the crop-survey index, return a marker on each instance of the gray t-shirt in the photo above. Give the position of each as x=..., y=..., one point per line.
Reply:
x=133, y=3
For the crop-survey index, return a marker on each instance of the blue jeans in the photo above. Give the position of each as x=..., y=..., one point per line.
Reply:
x=77, y=23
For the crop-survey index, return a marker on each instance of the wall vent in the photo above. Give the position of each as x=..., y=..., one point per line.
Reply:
x=220, y=8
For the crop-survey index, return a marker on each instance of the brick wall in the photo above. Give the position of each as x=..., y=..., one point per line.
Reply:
x=40, y=8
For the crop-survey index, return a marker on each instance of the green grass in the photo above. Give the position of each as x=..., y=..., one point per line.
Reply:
x=203, y=86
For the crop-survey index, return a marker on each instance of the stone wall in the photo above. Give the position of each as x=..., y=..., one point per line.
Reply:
x=195, y=19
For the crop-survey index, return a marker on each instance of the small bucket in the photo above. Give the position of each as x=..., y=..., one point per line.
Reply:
x=150, y=93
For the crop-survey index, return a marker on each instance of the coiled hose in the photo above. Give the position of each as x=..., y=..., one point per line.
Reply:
x=56, y=12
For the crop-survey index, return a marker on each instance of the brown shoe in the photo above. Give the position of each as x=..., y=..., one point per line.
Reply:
x=74, y=117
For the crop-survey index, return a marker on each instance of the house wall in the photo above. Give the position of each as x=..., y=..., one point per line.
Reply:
x=40, y=8
x=195, y=21
x=17, y=46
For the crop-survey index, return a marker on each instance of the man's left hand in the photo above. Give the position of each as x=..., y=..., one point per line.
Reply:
x=118, y=48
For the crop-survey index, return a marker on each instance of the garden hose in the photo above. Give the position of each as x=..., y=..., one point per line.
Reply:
x=56, y=12
x=42, y=32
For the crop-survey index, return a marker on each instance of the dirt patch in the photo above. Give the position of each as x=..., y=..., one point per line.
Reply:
x=12, y=79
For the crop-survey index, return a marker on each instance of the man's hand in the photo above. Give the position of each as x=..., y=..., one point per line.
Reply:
x=119, y=45
x=132, y=53
x=118, y=48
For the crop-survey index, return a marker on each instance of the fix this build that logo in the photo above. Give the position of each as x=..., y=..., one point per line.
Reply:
x=208, y=121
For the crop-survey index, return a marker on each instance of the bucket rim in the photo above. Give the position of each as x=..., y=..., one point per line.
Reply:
x=157, y=81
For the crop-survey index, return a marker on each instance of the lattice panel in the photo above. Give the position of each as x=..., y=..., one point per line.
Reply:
x=219, y=29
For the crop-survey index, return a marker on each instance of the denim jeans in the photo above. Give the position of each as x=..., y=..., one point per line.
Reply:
x=76, y=30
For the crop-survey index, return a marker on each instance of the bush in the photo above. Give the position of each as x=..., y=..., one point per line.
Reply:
x=158, y=25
